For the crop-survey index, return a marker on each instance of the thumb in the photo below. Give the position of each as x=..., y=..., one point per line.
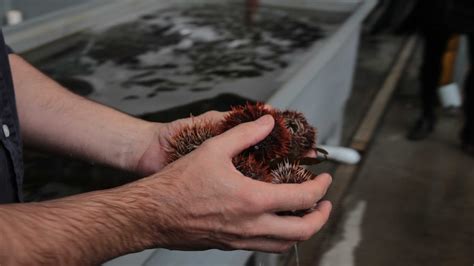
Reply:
x=239, y=138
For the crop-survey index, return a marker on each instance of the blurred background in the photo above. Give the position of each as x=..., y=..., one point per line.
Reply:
x=351, y=66
x=31, y=9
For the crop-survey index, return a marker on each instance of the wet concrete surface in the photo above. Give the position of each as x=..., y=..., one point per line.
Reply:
x=412, y=202
x=376, y=56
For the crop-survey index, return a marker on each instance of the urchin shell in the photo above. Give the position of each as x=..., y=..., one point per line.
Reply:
x=275, y=145
x=249, y=167
x=289, y=173
x=303, y=135
x=189, y=138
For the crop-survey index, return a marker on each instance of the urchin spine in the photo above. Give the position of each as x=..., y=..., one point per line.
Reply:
x=189, y=138
x=274, y=160
x=250, y=167
x=275, y=145
x=290, y=173
x=303, y=135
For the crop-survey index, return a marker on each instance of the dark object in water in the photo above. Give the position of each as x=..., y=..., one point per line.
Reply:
x=198, y=89
x=222, y=103
x=131, y=97
x=76, y=85
x=232, y=51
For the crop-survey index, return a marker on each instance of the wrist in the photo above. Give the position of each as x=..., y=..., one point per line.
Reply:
x=150, y=158
x=145, y=212
x=139, y=143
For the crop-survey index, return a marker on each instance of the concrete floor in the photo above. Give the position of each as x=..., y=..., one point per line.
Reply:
x=412, y=202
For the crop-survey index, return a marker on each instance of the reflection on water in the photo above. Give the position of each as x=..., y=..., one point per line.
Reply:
x=180, y=55
x=166, y=65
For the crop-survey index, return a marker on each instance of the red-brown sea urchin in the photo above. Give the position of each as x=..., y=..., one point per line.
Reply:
x=189, y=138
x=303, y=135
x=289, y=173
x=249, y=167
x=276, y=159
x=275, y=145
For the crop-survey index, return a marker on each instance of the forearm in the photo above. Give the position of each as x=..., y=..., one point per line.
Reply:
x=56, y=119
x=80, y=230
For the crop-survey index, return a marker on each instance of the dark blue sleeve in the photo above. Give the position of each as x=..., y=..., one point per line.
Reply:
x=9, y=50
x=3, y=44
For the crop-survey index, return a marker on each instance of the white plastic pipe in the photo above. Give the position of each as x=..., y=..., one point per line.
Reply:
x=342, y=154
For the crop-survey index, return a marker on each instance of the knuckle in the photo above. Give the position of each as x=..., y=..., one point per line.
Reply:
x=306, y=235
x=246, y=130
x=319, y=191
x=259, y=202
x=212, y=113
x=307, y=200
x=247, y=232
x=329, y=177
x=250, y=132
x=325, y=186
x=244, y=196
x=242, y=231
x=253, y=201
x=210, y=146
x=283, y=248
x=235, y=245
x=324, y=182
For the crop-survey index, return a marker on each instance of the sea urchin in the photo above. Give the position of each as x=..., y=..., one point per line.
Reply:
x=303, y=135
x=276, y=159
x=275, y=145
x=289, y=173
x=249, y=167
x=189, y=138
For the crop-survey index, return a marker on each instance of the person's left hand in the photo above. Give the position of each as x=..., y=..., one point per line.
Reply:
x=154, y=157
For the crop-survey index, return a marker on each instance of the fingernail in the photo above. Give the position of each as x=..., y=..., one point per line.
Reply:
x=264, y=120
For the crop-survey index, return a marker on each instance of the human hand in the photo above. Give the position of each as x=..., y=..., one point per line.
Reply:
x=154, y=157
x=201, y=201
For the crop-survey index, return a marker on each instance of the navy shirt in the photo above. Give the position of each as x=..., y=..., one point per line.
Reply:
x=11, y=162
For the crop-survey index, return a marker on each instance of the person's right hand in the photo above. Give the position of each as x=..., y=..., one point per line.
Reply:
x=201, y=201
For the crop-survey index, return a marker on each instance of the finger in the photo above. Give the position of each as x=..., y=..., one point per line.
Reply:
x=319, y=216
x=263, y=244
x=239, y=138
x=213, y=117
x=291, y=197
x=268, y=106
x=294, y=228
x=311, y=154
